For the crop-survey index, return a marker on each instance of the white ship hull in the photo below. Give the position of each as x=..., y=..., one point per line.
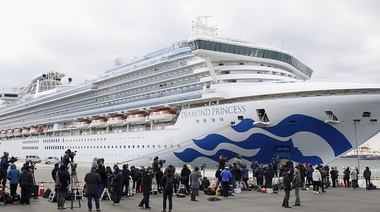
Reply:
x=201, y=135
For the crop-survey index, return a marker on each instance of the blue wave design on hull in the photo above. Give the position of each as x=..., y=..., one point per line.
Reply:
x=286, y=128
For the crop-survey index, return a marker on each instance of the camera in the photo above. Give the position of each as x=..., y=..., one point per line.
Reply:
x=13, y=159
x=161, y=162
x=203, y=166
x=100, y=162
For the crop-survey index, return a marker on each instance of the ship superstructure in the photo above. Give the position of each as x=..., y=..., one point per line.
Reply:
x=191, y=102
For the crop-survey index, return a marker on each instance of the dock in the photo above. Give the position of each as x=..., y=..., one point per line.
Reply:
x=334, y=199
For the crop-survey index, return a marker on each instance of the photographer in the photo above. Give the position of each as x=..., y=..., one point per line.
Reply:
x=4, y=164
x=69, y=155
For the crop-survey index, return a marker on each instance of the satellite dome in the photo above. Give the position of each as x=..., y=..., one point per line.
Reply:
x=118, y=59
x=66, y=80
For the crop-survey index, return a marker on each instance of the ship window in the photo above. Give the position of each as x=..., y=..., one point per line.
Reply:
x=366, y=114
x=197, y=121
x=220, y=119
x=153, y=146
x=292, y=122
x=165, y=146
x=204, y=120
x=133, y=146
x=240, y=118
x=213, y=120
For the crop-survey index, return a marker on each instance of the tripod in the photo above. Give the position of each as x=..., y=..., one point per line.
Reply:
x=74, y=192
x=105, y=190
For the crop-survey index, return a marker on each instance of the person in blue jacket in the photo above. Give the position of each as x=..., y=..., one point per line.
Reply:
x=226, y=179
x=13, y=177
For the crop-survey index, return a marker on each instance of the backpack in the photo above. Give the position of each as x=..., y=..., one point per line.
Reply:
x=47, y=193
x=209, y=191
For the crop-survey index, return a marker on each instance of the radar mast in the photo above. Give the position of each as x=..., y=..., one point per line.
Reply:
x=202, y=27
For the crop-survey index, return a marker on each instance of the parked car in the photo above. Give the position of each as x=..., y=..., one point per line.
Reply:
x=33, y=158
x=51, y=160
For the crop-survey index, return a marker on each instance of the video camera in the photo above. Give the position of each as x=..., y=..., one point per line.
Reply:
x=100, y=162
x=13, y=159
x=203, y=166
x=161, y=163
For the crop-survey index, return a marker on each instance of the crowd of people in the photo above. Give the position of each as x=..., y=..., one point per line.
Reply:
x=229, y=178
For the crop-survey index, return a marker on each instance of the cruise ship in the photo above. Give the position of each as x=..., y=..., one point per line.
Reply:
x=189, y=103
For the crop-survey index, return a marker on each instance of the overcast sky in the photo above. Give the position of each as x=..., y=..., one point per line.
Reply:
x=339, y=40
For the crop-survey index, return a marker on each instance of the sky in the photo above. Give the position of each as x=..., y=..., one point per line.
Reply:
x=339, y=40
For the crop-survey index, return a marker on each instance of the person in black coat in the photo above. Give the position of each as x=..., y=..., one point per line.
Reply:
x=26, y=183
x=64, y=182
x=159, y=175
x=367, y=175
x=134, y=174
x=185, y=173
x=126, y=176
x=287, y=188
x=54, y=171
x=334, y=176
x=147, y=186
x=92, y=180
x=268, y=174
x=167, y=184
x=117, y=185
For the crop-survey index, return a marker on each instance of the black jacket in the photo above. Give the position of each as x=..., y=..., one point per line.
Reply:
x=287, y=183
x=26, y=178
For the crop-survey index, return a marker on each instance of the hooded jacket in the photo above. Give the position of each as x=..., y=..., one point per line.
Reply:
x=317, y=175
x=92, y=180
x=13, y=174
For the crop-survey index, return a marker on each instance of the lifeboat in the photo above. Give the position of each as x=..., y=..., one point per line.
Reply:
x=36, y=130
x=136, y=118
x=99, y=122
x=17, y=132
x=162, y=115
x=10, y=133
x=3, y=134
x=84, y=124
x=115, y=121
x=25, y=131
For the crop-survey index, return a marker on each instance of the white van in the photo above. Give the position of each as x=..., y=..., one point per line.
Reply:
x=33, y=158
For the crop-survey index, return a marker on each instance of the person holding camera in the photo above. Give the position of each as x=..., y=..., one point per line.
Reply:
x=4, y=164
x=26, y=183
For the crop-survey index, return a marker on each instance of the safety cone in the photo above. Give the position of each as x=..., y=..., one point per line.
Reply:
x=42, y=190
x=341, y=183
